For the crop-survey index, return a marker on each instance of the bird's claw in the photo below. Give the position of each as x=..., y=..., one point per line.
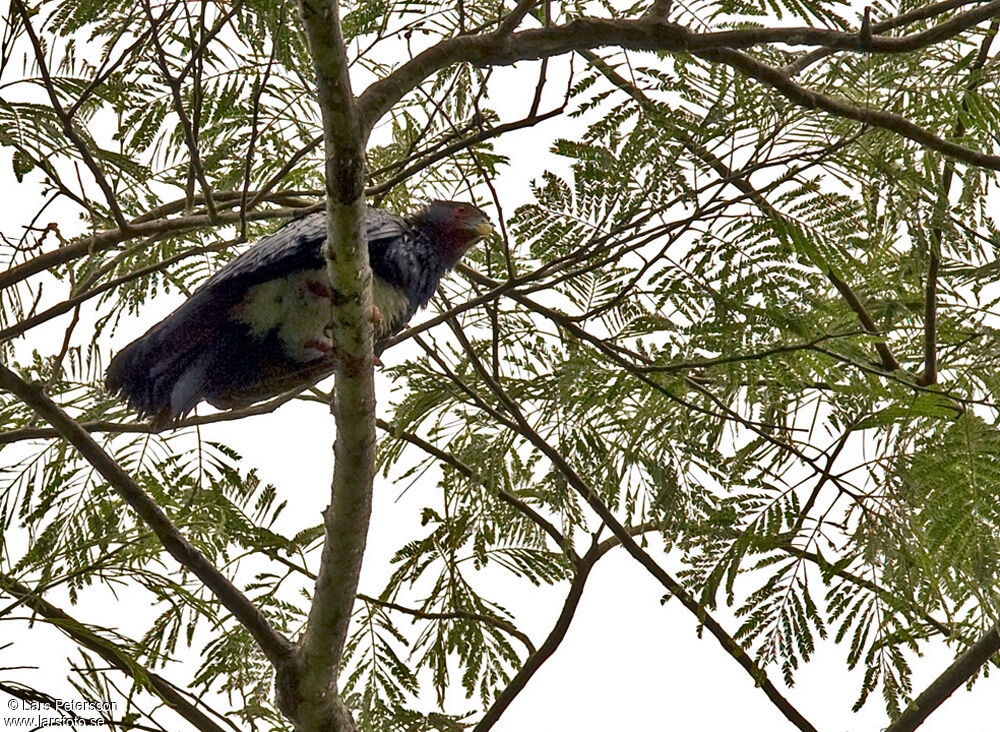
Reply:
x=326, y=348
x=329, y=351
x=319, y=289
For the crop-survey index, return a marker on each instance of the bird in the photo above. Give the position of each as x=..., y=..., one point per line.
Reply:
x=261, y=325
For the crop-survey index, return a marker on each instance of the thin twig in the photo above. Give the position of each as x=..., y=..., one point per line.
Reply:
x=917, y=14
x=500, y=623
x=510, y=23
x=507, y=497
x=69, y=128
x=187, y=126
x=930, y=372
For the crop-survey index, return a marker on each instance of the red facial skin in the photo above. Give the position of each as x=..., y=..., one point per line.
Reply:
x=466, y=227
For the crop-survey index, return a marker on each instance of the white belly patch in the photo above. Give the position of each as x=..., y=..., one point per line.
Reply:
x=392, y=304
x=287, y=306
x=295, y=309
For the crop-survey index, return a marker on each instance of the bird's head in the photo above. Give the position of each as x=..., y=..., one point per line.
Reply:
x=454, y=226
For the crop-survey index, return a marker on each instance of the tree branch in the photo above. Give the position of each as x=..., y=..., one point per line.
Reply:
x=275, y=646
x=556, y=635
x=514, y=18
x=959, y=672
x=144, y=428
x=76, y=300
x=914, y=16
x=808, y=99
x=623, y=534
x=903, y=604
x=107, y=650
x=507, y=497
x=315, y=703
x=651, y=33
x=889, y=362
x=930, y=373
x=462, y=144
x=105, y=240
x=548, y=647
x=189, y=130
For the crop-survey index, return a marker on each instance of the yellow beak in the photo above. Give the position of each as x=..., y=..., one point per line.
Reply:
x=483, y=228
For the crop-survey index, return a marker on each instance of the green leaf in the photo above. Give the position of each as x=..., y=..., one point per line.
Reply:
x=22, y=164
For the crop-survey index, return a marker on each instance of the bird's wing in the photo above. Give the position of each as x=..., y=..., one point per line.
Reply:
x=297, y=246
x=293, y=247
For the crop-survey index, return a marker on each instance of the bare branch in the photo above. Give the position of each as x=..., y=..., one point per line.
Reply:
x=889, y=362
x=554, y=638
x=143, y=428
x=285, y=169
x=74, y=302
x=462, y=144
x=208, y=37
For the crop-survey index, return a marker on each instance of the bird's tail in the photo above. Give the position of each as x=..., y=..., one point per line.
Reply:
x=163, y=374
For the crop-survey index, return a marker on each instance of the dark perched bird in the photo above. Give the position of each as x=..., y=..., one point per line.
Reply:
x=260, y=326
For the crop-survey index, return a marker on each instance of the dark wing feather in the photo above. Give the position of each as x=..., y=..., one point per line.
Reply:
x=298, y=246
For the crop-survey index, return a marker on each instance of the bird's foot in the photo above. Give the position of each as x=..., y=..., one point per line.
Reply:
x=319, y=289
x=328, y=351
x=325, y=348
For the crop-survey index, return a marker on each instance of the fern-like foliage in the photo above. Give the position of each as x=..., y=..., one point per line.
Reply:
x=707, y=309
